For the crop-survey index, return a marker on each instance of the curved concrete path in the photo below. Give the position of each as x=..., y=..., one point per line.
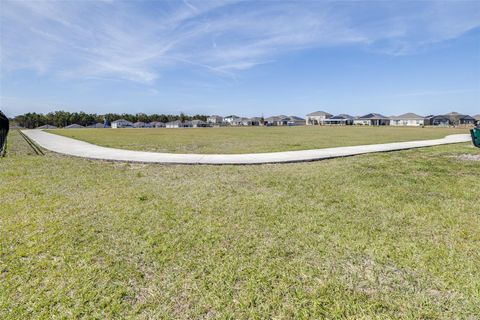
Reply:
x=83, y=149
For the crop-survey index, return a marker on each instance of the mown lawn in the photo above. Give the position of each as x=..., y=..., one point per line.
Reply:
x=392, y=235
x=250, y=139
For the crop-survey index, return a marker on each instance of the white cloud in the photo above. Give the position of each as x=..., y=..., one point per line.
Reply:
x=138, y=41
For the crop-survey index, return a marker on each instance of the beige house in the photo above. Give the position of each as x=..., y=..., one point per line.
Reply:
x=407, y=119
x=317, y=118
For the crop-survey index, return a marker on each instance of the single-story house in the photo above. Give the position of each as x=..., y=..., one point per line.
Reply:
x=295, y=121
x=214, y=119
x=256, y=121
x=178, y=124
x=340, y=120
x=372, y=119
x=275, y=121
x=230, y=119
x=121, y=123
x=141, y=124
x=466, y=120
x=47, y=126
x=317, y=118
x=96, y=125
x=460, y=119
x=74, y=126
x=407, y=119
x=283, y=120
x=174, y=124
x=157, y=124
x=198, y=124
x=240, y=121
x=433, y=120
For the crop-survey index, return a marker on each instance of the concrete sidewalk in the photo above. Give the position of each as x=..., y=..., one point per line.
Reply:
x=77, y=148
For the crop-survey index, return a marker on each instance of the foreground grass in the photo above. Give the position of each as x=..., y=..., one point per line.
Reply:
x=250, y=139
x=393, y=235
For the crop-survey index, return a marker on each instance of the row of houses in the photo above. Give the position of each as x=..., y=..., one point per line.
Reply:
x=215, y=120
x=122, y=123
x=376, y=119
x=314, y=118
x=233, y=120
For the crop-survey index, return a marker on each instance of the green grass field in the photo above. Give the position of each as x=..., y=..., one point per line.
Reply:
x=250, y=139
x=382, y=236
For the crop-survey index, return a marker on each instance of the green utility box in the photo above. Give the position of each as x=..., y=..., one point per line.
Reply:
x=476, y=136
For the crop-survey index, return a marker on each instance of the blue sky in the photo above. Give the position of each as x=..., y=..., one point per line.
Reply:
x=240, y=57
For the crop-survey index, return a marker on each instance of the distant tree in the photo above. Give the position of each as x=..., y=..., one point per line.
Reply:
x=200, y=117
x=183, y=117
x=142, y=117
x=63, y=118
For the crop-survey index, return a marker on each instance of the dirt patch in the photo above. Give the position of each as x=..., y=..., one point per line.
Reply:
x=469, y=157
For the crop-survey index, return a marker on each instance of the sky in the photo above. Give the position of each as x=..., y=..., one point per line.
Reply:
x=249, y=58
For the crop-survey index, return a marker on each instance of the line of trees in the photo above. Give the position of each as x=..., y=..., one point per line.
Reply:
x=63, y=118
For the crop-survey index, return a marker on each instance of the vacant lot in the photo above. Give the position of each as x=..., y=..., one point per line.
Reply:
x=393, y=235
x=250, y=139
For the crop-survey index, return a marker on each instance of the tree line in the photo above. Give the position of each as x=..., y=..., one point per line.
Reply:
x=63, y=118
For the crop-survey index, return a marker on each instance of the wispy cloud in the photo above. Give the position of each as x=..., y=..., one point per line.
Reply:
x=138, y=41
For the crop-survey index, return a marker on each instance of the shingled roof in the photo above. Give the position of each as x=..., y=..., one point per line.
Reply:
x=372, y=116
x=319, y=113
x=408, y=116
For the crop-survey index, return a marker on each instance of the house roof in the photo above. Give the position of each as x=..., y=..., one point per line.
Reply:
x=319, y=113
x=440, y=117
x=453, y=114
x=295, y=118
x=47, y=126
x=477, y=117
x=373, y=116
x=342, y=116
x=466, y=117
x=121, y=120
x=96, y=125
x=408, y=116
x=74, y=126
x=273, y=118
x=197, y=121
